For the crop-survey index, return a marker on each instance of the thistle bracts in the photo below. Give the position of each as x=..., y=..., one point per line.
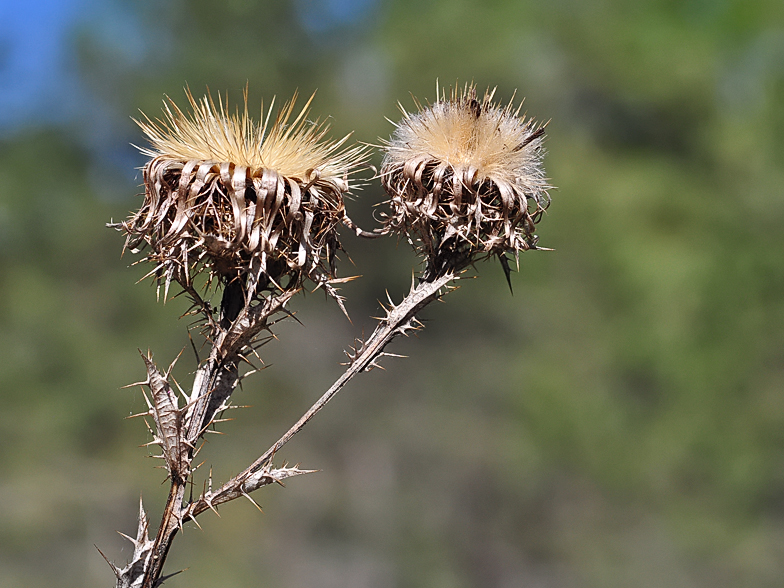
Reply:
x=255, y=203
x=465, y=178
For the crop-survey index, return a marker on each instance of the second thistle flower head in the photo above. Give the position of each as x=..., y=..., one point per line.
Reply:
x=465, y=178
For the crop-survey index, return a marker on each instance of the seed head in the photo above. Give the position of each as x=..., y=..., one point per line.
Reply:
x=465, y=178
x=241, y=198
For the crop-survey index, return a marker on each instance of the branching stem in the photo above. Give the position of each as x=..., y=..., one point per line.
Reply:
x=208, y=384
x=228, y=343
x=398, y=320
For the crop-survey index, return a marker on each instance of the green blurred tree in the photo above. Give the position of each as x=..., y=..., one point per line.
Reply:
x=618, y=423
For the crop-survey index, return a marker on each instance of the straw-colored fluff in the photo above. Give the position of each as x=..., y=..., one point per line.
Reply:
x=241, y=198
x=465, y=177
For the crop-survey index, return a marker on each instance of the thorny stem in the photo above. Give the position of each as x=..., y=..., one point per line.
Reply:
x=398, y=320
x=224, y=354
x=170, y=524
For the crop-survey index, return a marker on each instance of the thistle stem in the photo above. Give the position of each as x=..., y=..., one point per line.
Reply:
x=393, y=324
x=397, y=321
x=228, y=343
x=170, y=524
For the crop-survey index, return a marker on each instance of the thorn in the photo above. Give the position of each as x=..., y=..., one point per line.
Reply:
x=171, y=365
x=149, y=430
x=142, y=514
x=129, y=538
x=212, y=508
x=193, y=346
x=198, y=449
x=150, y=273
x=162, y=579
x=242, y=358
x=245, y=375
x=182, y=392
x=147, y=400
x=145, y=383
x=166, y=287
x=193, y=518
x=507, y=270
x=115, y=569
x=248, y=496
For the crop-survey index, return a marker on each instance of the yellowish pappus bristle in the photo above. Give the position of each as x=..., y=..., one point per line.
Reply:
x=465, y=132
x=210, y=132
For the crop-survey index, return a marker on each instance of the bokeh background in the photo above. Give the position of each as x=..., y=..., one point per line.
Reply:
x=619, y=421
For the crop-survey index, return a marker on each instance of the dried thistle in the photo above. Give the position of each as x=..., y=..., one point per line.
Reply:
x=256, y=207
x=254, y=203
x=465, y=178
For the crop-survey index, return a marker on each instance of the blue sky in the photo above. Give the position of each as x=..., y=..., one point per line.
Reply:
x=37, y=76
x=39, y=79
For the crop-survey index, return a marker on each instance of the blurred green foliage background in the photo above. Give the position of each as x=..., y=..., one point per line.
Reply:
x=619, y=421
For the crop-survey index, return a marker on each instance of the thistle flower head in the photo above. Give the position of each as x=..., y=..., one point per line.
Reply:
x=465, y=177
x=243, y=199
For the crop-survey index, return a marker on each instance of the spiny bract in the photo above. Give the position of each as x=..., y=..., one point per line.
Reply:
x=465, y=177
x=245, y=200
